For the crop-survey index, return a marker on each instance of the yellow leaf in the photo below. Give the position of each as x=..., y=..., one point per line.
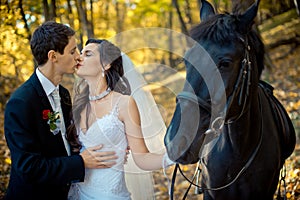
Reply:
x=185, y=168
x=293, y=94
x=8, y=161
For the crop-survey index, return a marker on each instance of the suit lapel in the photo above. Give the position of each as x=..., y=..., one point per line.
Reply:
x=64, y=95
x=45, y=104
x=40, y=90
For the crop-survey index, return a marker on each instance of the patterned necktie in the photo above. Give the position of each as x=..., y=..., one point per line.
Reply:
x=57, y=108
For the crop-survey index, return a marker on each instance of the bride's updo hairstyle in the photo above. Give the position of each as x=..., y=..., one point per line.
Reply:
x=109, y=54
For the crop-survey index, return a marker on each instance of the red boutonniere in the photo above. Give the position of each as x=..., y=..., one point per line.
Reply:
x=53, y=120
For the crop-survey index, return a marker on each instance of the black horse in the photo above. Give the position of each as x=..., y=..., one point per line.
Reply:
x=226, y=117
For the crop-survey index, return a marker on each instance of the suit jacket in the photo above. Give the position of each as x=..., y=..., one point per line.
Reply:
x=41, y=168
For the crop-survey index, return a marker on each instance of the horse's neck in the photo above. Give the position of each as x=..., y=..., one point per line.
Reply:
x=244, y=133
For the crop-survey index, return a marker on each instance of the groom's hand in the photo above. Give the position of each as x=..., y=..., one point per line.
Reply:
x=92, y=158
x=127, y=152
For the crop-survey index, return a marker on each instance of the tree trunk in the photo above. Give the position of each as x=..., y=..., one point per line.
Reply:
x=49, y=11
x=70, y=15
x=53, y=10
x=24, y=19
x=92, y=17
x=106, y=15
x=83, y=20
x=216, y=5
x=240, y=6
x=89, y=29
x=297, y=5
x=120, y=16
x=81, y=26
x=46, y=10
x=170, y=25
x=183, y=26
x=188, y=11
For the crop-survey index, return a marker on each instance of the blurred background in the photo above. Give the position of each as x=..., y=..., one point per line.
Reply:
x=278, y=23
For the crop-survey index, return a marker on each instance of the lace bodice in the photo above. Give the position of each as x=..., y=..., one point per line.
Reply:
x=105, y=183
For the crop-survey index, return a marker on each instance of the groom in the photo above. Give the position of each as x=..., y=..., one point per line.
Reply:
x=43, y=165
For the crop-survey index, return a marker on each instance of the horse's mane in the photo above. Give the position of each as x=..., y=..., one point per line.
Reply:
x=223, y=29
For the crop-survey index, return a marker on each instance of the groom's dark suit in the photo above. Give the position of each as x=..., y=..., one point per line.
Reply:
x=41, y=168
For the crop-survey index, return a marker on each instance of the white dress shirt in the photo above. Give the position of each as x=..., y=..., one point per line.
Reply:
x=49, y=87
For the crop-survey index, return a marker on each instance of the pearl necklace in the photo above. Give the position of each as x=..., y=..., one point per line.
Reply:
x=101, y=95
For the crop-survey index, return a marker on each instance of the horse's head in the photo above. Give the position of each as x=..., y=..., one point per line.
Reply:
x=217, y=71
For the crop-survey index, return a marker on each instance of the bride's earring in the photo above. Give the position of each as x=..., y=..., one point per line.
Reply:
x=103, y=70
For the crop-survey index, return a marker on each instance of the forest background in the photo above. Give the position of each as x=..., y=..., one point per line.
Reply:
x=277, y=22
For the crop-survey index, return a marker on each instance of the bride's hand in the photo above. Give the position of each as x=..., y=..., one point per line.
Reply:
x=92, y=158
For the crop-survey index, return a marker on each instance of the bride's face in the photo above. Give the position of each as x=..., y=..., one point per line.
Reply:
x=89, y=65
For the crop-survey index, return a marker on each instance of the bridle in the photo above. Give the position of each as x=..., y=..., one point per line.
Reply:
x=242, y=85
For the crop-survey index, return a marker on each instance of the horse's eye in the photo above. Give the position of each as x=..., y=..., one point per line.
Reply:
x=224, y=64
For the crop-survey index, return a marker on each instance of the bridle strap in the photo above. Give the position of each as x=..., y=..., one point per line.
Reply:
x=244, y=71
x=194, y=98
x=174, y=178
x=173, y=181
x=250, y=160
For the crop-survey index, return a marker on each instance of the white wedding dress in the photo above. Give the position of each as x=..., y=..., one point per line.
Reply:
x=104, y=184
x=110, y=184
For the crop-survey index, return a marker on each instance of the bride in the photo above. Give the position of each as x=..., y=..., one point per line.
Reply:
x=105, y=112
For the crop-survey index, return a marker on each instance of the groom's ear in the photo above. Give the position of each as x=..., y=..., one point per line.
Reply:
x=52, y=56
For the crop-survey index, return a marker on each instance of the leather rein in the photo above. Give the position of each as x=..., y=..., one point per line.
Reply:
x=242, y=84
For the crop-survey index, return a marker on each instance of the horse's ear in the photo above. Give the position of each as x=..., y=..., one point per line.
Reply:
x=206, y=10
x=247, y=19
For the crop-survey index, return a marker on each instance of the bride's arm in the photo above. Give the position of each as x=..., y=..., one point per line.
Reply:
x=129, y=114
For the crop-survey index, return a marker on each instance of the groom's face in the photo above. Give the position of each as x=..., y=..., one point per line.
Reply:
x=67, y=62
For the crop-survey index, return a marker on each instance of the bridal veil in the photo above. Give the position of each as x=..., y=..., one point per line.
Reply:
x=139, y=182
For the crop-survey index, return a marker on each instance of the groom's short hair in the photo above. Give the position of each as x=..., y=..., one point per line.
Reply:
x=49, y=36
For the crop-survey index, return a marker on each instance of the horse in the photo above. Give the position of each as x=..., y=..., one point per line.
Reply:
x=226, y=118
